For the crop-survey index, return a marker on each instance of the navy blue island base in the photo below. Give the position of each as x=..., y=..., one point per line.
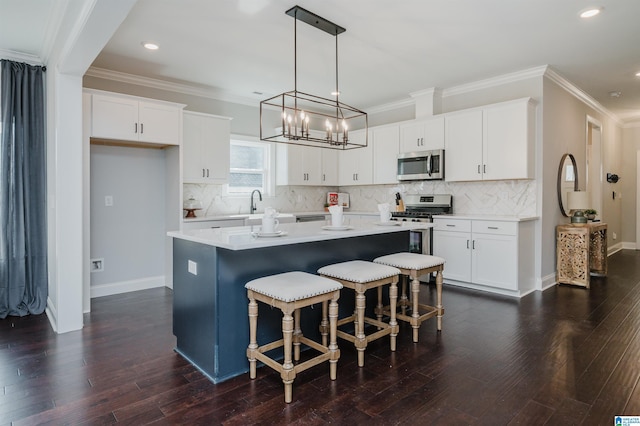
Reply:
x=210, y=313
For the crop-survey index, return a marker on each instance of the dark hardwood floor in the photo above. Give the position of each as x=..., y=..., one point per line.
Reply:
x=567, y=356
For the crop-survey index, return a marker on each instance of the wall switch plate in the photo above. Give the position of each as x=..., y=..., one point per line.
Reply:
x=108, y=200
x=97, y=265
x=192, y=267
x=614, y=235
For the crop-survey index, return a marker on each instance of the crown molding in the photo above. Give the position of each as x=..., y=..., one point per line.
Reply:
x=13, y=55
x=495, y=81
x=391, y=106
x=578, y=93
x=217, y=94
x=187, y=89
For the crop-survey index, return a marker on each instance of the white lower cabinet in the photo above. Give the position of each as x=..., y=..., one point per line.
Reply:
x=492, y=255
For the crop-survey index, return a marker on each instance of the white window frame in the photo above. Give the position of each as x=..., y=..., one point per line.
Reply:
x=269, y=170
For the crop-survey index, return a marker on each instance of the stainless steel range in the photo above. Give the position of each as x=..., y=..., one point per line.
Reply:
x=421, y=208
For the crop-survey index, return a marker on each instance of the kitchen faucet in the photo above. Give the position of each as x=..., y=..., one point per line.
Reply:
x=253, y=207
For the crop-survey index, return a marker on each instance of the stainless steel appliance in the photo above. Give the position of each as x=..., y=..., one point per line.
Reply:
x=421, y=208
x=422, y=165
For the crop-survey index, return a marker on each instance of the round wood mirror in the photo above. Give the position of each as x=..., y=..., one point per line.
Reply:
x=567, y=181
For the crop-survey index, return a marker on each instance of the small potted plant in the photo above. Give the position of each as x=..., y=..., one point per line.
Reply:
x=326, y=207
x=590, y=214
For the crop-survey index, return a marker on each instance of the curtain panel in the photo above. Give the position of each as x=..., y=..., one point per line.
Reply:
x=23, y=212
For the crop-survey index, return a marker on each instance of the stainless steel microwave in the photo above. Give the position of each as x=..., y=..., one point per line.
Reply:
x=422, y=165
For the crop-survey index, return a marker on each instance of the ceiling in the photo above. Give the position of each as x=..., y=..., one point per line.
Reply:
x=390, y=48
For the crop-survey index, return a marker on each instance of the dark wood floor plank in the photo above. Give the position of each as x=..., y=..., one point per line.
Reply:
x=532, y=414
x=564, y=356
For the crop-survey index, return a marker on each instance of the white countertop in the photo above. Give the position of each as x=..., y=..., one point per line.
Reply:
x=244, y=237
x=259, y=215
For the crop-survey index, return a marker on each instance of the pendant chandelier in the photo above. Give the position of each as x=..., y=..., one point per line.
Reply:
x=300, y=118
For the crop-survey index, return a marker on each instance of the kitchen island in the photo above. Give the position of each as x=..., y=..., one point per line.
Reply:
x=211, y=266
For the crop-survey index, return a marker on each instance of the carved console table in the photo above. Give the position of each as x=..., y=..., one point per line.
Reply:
x=581, y=251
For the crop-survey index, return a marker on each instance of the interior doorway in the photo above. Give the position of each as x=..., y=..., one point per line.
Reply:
x=594, y=165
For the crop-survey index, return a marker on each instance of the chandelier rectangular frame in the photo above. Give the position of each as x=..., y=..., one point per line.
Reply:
x=301, y=118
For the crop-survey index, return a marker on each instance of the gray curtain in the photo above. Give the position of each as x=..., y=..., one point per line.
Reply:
x=23, y=185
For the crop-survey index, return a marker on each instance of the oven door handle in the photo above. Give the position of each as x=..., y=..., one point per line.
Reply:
x=429, y=168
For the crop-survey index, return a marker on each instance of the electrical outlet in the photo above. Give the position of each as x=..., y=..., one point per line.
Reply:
x=614, y=235
x=97, y=265
x=504, y=195
x=192, y=267
x=108, y=200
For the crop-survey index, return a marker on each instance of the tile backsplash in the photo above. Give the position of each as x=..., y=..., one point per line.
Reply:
x=516, y=197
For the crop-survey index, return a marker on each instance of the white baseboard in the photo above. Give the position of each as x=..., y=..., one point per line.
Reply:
x=548, y=282
x=614, y=249
x=109, y=289
x=52, y=315
x=629, y=245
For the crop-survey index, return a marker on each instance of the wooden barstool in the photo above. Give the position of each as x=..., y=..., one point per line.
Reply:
x=361, y=276
x=413, y=265
x=289, y=292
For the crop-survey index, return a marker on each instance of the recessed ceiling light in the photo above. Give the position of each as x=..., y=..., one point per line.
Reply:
x=638, y=74
x=150, y=46
x=615, y=94
x=591, y=12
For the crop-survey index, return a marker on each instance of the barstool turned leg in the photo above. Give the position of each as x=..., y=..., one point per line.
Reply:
x=253, y=331
x=361, y=339
x=288, y=373
x=404, y=301
x=324, y=324
x=379, y=307
x=439, y=298
x=297, y=333
x=333, y=337
x=415, y=295
x=393, y=299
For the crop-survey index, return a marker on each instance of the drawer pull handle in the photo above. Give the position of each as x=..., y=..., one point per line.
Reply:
x=493, y=227
x=453, y=226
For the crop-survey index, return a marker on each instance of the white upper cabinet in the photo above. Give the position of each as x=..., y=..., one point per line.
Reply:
x=495, y=142
x=463, y=151
x=329, y=175
x=422, y=135
x=205, y=148
x=298, y=165
x=385, y=141
x=128, y=118
x=509, y=141
x=356, y=165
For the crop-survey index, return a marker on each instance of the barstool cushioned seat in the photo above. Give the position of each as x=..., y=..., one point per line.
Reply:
x=410, y=260
x=413, y=265
x=292, y=286
x=289, y=292
x=360, y=276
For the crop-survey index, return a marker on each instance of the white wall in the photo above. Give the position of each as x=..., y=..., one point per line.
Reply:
x=627, y=184
x=130, y=235
x=82, y=32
